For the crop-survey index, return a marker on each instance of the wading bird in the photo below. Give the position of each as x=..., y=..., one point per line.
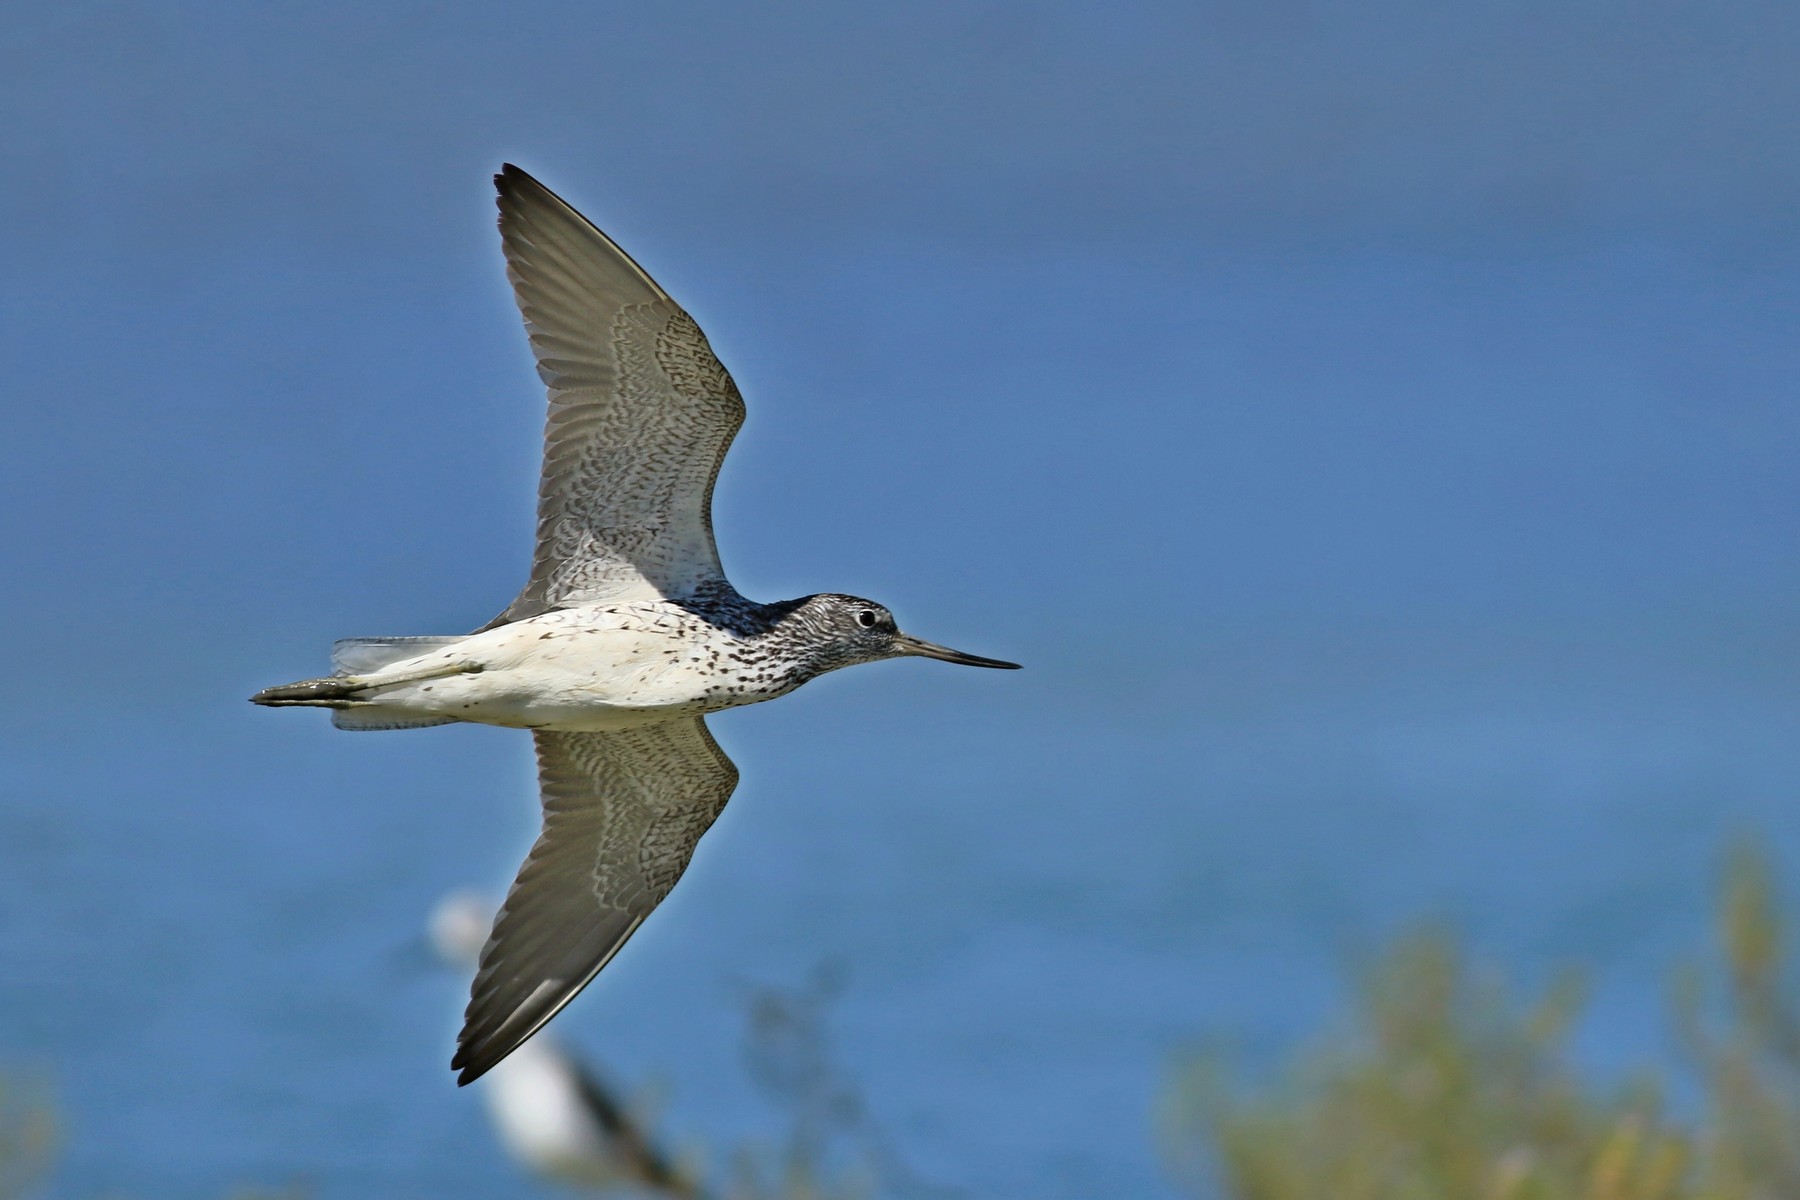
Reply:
x=625, y=636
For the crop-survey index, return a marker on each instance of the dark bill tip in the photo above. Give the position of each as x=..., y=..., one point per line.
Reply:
x=924, y=649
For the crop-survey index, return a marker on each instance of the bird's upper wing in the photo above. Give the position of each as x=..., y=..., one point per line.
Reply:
x=622, y=813
x=641, y=414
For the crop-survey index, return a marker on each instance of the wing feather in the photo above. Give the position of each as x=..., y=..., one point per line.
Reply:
x=641, y=414
x=622, y=814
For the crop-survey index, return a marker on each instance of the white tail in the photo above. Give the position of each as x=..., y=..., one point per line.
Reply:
x=363, y=656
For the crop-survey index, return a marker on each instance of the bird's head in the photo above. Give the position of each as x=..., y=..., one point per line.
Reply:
x=853, y=630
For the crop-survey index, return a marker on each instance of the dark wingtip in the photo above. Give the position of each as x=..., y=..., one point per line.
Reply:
x=468, y=1069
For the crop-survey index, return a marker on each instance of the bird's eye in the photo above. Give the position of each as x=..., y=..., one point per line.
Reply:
x=866, y=618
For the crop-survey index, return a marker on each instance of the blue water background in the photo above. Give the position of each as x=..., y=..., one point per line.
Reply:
x=1375, y=433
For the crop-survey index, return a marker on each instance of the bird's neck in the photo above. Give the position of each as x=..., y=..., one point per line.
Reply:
x=788, y=638
x=797, y=635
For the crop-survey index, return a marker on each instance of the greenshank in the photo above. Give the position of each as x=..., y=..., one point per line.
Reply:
x=626, y=635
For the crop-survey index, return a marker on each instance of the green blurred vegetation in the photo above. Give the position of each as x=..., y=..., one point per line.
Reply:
x=28, y=1138
x=1445, y=1085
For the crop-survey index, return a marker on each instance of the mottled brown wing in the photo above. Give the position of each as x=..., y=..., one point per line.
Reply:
x=641, y=414
x=622, y=813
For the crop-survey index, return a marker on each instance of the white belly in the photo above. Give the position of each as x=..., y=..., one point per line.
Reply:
x=585, y=669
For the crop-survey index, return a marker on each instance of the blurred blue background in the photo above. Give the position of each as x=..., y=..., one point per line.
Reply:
x=1372, y=425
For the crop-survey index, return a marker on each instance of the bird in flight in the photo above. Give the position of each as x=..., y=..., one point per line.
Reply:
x=625, y=636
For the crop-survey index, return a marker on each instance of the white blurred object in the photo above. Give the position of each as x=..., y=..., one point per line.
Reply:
x=552, y=1114
x=459, y=925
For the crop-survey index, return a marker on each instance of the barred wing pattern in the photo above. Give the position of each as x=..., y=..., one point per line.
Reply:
x=641, y=414
x=622, y=814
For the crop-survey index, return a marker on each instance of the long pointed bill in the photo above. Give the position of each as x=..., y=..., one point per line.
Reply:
x=907, y=644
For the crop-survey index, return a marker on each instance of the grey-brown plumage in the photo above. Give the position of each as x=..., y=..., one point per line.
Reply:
x=622, y=814
x=641, y=414
x=626, y=634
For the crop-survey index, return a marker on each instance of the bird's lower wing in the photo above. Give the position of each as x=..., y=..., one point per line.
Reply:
x=622, y=813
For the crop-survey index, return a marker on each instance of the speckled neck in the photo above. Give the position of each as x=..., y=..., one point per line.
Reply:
x=778, y=646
